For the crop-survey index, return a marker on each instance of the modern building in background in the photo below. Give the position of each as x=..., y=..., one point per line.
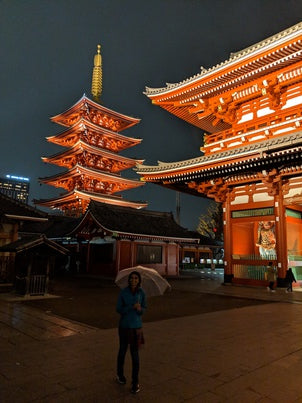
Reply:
x=16, y=187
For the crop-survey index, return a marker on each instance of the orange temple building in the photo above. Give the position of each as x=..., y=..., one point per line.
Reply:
x=250, y=108
x=92, y=160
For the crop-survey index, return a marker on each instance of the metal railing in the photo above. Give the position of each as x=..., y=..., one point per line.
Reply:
x=37, y=285
x=206, y=263
x=249, y=272
x=253, y=256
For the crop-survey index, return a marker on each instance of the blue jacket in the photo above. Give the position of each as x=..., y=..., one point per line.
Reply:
x=130, y=317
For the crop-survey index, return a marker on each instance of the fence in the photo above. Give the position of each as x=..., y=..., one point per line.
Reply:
x=249, y=271
x=37, y=285
x=33, y=285
x=204, y=264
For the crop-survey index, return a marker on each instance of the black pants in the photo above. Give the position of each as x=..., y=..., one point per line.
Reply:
x=271, y=285
x=290, y=286
x=128, y=336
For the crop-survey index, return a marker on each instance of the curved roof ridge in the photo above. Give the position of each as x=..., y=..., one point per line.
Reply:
x=84, y=98
x=101, y=129
x=96, y=149
x=267, y=145
x=13, y=206
x=234, y=56
x=141, y=212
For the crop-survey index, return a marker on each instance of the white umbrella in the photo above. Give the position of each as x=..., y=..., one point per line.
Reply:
x=152, y=282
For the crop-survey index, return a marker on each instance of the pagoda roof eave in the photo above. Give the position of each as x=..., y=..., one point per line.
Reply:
x=97, y=128
x=240, y=56
x=84, y=99
x=79, y=169
x=219, y=159
x=99, y=151
x=77, y=194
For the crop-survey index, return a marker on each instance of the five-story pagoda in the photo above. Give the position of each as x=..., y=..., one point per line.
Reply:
x=91, y=157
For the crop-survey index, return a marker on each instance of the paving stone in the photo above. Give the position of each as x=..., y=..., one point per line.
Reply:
x=248, y=354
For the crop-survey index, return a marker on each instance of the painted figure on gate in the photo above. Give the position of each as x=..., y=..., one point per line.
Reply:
x=267, y=239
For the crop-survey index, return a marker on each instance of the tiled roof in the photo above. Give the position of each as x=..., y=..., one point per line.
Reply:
x=269, y=43
x=144, y=222
x=224, y=157
x=55, y=227
x=9, y=206
x=84, y=101
x=30, y=242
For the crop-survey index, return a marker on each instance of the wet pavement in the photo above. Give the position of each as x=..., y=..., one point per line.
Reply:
x=19, y=321
x=245, y=353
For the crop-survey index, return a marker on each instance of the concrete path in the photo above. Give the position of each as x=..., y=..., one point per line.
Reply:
x=250, y=354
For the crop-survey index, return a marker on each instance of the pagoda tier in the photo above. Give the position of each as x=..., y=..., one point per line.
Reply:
x=91, y=180
x=95, y=135
x=76, y=201
x=251, y=97
x=95, y=113
x=91, y=156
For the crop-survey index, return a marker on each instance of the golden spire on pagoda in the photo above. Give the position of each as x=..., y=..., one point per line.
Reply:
x=96, y=86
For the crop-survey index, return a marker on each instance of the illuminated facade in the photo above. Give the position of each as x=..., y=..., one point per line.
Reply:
x=16, y=187
x=250, y=107
x=114, y=238
x=92, y=142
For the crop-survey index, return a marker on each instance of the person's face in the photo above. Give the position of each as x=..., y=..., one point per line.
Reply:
x=266, y=224
x=134, y=280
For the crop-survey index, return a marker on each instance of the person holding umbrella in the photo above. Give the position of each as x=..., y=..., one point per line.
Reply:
x=131, y=305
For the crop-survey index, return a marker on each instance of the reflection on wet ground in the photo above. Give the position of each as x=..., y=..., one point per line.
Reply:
x=18, y=320
x=224, y=353
x=81, y=305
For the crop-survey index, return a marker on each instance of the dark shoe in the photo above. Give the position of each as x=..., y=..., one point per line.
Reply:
x=135, y=389
x=121, y=379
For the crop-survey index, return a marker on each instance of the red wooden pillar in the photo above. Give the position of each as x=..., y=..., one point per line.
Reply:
x=281, y=246
x=227, y=236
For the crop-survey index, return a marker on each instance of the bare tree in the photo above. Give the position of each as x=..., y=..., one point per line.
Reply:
x=210, y=223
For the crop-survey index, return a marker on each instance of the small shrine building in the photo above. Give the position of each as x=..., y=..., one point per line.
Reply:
x=113, y=238
x=93, y=141
x=250, y=108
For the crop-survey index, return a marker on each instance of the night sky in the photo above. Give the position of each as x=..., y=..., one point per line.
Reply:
x=47, y=49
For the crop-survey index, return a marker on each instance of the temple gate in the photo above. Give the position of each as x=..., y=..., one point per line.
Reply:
x=250, y=107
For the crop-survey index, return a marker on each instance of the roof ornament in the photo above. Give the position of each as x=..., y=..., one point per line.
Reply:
x=96, y=86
